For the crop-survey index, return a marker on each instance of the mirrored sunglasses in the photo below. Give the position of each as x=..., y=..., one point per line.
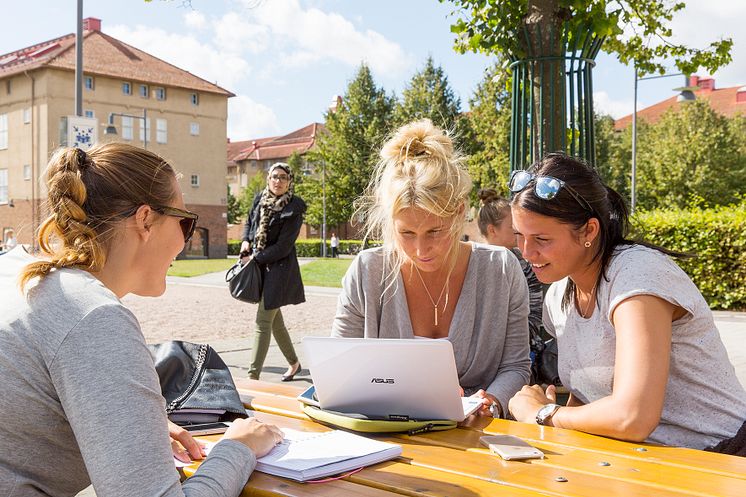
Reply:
x=545, y=187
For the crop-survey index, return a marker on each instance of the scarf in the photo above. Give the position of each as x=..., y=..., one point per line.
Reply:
x=268, y=204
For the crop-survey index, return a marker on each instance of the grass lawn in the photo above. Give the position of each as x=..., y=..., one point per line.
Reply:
x=196, y=267
x=325, y=272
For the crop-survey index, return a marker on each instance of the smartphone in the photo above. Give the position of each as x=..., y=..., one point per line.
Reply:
x=511, y=448
x=206, y=428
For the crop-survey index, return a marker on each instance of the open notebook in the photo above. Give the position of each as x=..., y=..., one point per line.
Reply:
x=305, y=455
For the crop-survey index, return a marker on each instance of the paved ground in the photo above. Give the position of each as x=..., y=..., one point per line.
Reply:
x=200, y=309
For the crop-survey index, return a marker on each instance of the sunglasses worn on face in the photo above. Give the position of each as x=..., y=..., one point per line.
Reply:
x=545, y=187
x=187, y=220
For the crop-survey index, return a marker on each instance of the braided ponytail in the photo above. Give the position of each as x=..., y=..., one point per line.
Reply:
x=87, y=194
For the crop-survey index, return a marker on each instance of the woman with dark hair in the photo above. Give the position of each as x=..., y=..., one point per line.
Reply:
x=638, y=346
x=272, y=227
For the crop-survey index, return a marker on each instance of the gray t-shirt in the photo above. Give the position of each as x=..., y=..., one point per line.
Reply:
x=489, y=329
x=704, y=401
x=81, y=402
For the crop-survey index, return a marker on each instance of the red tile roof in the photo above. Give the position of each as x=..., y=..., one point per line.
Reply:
x=722, y=100
x=105, y=56
x=278, y=147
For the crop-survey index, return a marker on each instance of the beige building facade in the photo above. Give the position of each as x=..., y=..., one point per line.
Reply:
x=186, y=125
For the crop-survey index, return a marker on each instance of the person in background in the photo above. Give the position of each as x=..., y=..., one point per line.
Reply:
x=496, y=226
x=425, y=282
x=10, y=240
x=272, y=226
x=334, y=242
x=638, y=346
x=82, y=402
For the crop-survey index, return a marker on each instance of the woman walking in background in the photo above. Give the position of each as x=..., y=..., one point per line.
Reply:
x=272, y=226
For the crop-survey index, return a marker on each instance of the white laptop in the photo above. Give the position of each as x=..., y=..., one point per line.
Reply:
x=387, y=378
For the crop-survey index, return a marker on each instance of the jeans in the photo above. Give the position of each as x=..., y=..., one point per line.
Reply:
x=269, y=323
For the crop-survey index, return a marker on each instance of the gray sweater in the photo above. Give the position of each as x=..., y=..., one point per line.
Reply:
x=489, y=329
x=81, y=398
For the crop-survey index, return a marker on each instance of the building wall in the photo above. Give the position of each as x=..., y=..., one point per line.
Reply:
x=202, y=155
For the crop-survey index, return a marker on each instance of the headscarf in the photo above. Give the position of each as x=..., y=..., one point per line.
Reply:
x=270, y=203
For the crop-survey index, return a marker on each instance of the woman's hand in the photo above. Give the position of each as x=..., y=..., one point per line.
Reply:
x=526, y=403
x=183, y=445
x=488, y=400
x=257, y=436
x=245, y=249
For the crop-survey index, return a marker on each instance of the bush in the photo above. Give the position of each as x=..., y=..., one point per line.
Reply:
x=717, y=236
x=312, y=247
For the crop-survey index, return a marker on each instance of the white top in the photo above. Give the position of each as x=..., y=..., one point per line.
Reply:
x=704, y=402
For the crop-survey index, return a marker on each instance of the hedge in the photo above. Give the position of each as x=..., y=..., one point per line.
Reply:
x=312, y=247
x=716, y=236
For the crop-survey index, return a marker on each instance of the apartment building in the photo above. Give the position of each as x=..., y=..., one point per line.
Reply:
x=151, y=104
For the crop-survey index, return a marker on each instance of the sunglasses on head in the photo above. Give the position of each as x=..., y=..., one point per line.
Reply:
x=187, y=220
x=545, y=187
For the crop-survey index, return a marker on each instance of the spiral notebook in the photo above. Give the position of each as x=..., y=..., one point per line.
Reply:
x=304, y=455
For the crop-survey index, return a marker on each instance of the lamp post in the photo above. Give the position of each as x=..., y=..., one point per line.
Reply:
x=112, y=130
x=685, y=96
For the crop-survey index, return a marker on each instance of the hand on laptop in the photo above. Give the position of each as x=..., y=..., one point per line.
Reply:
x=490, y=405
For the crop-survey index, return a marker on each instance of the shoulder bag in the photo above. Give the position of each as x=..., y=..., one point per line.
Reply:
x=246, y=281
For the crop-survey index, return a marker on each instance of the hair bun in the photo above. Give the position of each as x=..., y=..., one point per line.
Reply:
x=487, y=195
x=417, y=140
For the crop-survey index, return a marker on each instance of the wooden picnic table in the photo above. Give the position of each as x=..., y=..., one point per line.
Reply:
x=453, y=464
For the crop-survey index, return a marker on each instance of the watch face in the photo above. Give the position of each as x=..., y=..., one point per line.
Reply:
x=545, y=412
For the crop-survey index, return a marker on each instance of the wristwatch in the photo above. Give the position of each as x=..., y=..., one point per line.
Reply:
x=545, y=414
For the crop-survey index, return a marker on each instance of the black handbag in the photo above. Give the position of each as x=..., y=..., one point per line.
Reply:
x=246, y=281
x=196, y=383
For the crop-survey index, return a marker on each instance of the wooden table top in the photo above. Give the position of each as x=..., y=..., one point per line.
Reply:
x=453, y=464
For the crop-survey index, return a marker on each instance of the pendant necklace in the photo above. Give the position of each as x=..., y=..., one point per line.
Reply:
x=588, y=304
x=433, y=302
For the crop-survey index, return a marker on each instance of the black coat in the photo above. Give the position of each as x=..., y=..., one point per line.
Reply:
x=282, y=281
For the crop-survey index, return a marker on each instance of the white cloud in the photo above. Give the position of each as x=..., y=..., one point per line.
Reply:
x=248, y=119
x=316, y=35
x=234, y=33
x=216, y=65
x=195, y=19
x=604, y=104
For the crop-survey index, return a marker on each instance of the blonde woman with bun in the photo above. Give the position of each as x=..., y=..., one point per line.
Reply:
x=424, y=282
x=81, y=399
x=496, y=226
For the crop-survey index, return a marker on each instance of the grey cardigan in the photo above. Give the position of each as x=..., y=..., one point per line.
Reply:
x=489, y=330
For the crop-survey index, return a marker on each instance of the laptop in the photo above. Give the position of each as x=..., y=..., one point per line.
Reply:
x=396, y=379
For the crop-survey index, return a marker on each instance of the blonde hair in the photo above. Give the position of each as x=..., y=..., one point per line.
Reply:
x=419, y=167
x=88, y=194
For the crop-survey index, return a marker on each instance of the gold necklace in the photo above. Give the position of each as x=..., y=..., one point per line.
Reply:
x=590, y=299
x=434, y=303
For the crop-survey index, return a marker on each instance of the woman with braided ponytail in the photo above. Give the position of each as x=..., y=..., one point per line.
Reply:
x=638, y=346
x=425, y=282
x=80, y=392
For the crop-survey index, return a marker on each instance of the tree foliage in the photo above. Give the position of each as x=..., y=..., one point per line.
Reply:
x=636, y=30
x=234, y=207
x=614, y=153
x=428, y=95
x=349, y=149
x=692, y=154
x=489, y=120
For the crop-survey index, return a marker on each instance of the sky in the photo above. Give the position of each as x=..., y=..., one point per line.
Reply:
x=287, y=59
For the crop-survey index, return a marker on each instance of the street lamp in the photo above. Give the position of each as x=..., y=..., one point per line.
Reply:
x=112, y=130
x=686, y=95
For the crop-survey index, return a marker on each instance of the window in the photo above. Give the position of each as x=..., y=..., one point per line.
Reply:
x=3, y=186
x=194, y=97
x=161, y=131
x=194, y=180
x=27, y=115
x=127, y=128
x=127, y=88
x=88, y=113
x=3, y=131
x=194, y=129
x=7, y=86
x=88, y=82
x=144, y=125
x=144, y=91
x=27, y=172
x=160, y=93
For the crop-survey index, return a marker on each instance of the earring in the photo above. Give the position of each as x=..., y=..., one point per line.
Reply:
x=587, y=244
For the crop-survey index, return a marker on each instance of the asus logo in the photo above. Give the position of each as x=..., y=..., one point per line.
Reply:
x=383, y=380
